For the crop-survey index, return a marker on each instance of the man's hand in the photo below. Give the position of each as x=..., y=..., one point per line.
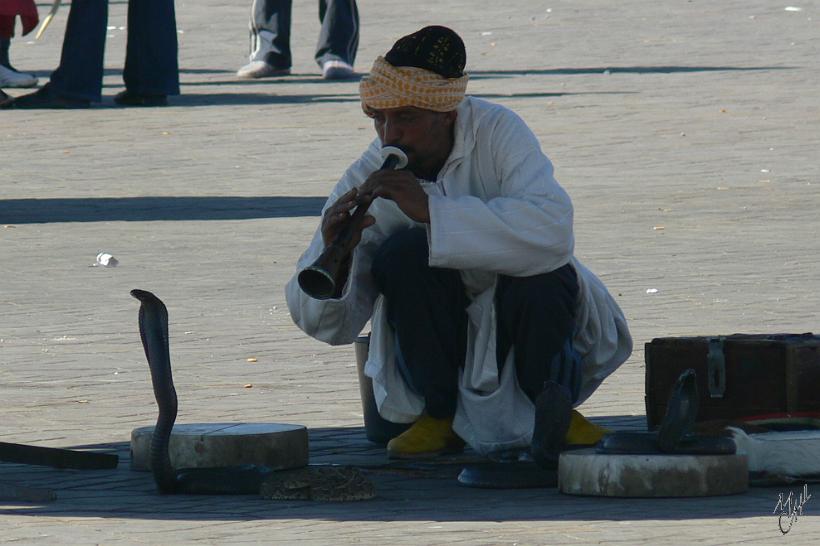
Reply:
x=337, y=216
x=401, y=187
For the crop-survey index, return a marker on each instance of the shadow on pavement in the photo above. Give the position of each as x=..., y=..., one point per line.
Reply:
x=421, y=491
x=146, y=209
x=46, y=72
x=247, y=99
x=474, y=74
x=294, y=79
x=485, y=74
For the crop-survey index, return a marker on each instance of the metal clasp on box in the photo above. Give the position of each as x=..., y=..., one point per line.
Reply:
x=716, y=366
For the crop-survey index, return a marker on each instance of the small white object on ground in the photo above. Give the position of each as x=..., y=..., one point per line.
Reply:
x=651, y=290
x=107, y=260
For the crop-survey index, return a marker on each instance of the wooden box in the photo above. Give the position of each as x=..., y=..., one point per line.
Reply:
x=741, y=376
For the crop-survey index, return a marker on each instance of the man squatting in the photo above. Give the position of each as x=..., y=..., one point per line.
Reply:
x=465, y=268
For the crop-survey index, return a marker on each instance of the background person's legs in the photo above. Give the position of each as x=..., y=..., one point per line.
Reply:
x=270, y=39
x=78, y=79
x=338, y=39
x=151, y=66
x=9, y=76
x=80, y=73
x=5, y=44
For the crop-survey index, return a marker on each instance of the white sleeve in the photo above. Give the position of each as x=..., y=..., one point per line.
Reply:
x=525, y=230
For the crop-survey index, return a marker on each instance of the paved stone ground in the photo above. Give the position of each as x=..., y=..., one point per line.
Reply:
x=683, y=130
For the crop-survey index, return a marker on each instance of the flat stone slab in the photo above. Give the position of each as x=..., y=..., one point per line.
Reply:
x=200, y=445
x=585, y=472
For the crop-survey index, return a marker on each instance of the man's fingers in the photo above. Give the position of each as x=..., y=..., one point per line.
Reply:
x=382, y=191
x=391, y=190
x=335, y=219
x=347, y=198
x=341, y=207
x=375, y=180
x=347, y=203
x=368, y=221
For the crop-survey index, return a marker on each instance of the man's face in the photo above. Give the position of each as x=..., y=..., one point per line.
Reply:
x=426, y=136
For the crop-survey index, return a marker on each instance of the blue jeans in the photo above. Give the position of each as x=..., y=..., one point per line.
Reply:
x=151, y=55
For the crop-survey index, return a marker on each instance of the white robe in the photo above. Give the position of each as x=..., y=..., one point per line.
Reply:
x=495, y=208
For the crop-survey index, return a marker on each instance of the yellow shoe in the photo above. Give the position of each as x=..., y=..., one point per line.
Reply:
x=428, y=437
x=583, y=432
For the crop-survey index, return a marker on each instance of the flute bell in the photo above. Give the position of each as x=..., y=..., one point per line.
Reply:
x=320, y=280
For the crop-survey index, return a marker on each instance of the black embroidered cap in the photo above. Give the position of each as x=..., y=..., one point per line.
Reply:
x=434, y=48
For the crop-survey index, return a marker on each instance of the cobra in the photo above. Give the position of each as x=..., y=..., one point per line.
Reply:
x=244, y=479
x=321, y=483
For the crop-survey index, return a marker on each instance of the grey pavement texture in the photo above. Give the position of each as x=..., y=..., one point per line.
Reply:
x=682, y=130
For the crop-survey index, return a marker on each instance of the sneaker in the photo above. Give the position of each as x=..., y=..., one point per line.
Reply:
x=428, y=437
x=261, y=69
x=337, y=70
x=12, y=78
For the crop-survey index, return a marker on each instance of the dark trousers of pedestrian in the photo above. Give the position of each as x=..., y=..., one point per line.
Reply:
x=5, y=43
x=338, y=39
x=151, y=54
x=426, y=308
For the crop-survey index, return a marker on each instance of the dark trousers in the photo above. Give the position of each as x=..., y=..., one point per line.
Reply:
x=151, y=56
x=4, y=51
x=426, y=309
x=338, y=39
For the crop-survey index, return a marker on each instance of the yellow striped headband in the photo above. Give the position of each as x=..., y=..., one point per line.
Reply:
x=389, y=86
